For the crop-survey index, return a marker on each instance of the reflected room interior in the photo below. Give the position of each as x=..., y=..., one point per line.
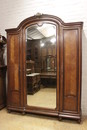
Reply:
x=41, y=65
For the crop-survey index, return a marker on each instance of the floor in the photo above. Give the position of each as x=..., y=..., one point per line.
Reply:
x=17, y=121
x=45, y=97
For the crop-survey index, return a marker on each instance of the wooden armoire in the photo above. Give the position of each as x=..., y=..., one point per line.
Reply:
x=68, y=62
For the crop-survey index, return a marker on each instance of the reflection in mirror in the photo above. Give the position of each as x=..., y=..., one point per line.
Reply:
x=41, y=65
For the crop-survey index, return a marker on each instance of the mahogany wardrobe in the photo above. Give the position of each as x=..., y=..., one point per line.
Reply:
x=44, y=64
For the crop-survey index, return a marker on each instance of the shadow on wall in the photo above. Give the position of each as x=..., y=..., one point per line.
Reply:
x=84, y=74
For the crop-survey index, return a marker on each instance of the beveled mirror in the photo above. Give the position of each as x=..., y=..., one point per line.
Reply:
x=41, y=72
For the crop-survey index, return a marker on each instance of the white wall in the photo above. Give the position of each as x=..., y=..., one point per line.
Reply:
x=12, y=12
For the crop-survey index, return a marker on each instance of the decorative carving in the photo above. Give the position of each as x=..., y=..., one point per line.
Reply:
x=2, y=43
x=2, y=39
x=38, y=15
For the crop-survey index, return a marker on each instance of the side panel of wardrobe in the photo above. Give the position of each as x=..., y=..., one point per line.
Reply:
x=13, y=59
x=70, y=71
x=71, y=66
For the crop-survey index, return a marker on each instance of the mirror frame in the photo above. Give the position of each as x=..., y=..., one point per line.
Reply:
x=40, y=19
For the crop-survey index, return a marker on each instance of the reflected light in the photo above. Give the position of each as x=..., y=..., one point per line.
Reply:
x=42, y=44
x=53, y=40
x=47, y=30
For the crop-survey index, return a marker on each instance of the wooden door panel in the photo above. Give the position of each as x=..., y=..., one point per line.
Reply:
x=70, y=69
x=14, y=78
x=13, y=50
x=70, y=103
x=14, y=98
x=13, y=70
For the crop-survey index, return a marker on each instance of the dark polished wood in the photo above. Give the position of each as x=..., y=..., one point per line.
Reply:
x=3, y=69
x=33, y=83
x=69, y=68
x=48, y=75
x=3, y=86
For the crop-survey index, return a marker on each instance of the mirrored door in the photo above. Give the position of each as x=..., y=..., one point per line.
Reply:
x=41, y=75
